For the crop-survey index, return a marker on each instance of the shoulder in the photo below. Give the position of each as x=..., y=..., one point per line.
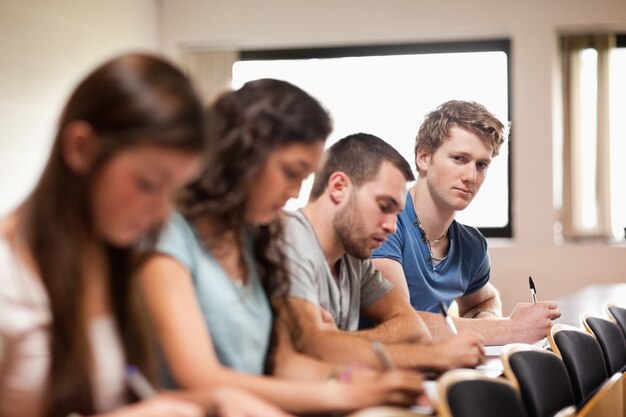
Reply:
x=468, y=235
x=176, y=232
x=298, y=230
x=295, y=221
x=176, y=225
x=23, y=299
x=179, y=241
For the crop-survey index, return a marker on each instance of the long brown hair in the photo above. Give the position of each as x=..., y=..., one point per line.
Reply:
x=243, y=128
x=130, y=100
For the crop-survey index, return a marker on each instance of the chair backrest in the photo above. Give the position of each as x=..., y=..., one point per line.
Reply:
x=608, y=401
x=583, y=359
x=611, y=340
x=541, y=377
x=616, y=313
x=469, y=393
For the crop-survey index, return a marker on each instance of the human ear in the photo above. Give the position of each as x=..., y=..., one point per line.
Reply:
x=422, y=159
x=338, y=185
x=78, y=146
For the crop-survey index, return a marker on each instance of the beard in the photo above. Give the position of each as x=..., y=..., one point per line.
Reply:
x=350, y=230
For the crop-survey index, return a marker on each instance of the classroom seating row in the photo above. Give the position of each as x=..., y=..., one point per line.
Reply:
x=581, y=375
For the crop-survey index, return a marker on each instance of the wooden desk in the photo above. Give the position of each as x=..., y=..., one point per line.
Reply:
x=589, y=300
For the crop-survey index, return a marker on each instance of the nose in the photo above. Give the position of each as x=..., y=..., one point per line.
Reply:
x=162, y=208
x=470, y=173
x=293, y=190
x=390, y=224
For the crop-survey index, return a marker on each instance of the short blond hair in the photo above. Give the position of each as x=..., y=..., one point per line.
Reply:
x=468, y=115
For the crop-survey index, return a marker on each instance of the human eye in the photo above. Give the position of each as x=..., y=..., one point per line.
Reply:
x=482, y=166
x=459, y=159
x=384, y=207
x=292, y=174
x=147, y=185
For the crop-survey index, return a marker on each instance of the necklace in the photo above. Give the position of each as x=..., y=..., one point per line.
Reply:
x=434, y=259
x=425, y=236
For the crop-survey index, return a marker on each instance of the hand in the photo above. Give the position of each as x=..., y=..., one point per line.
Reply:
x=364, y=374
x=464, y=350
x=531, y=322
x=231, y=402
x=401, y=388
x=159, y=406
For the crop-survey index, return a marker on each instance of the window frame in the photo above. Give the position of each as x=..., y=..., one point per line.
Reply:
x=501, y=45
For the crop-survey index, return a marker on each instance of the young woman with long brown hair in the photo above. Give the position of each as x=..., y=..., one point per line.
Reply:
x=219, y=260
x=129, y=137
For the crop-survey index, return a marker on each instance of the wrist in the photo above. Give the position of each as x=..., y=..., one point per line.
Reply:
x=344, y=373
x=435, y=358
x=340, y=396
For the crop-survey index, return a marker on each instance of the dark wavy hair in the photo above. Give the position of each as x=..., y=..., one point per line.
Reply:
x=243, y=128
x=129, y=101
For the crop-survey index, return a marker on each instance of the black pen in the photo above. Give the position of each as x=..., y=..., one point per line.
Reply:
x=138, y=383
x=533, y=291
x=447, y=318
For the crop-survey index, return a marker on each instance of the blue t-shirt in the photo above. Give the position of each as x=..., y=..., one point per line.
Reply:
x=465, y=270
x=238, y=317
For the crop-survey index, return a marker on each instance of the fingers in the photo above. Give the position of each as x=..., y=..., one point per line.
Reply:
x=551, y=308
x=548, y=304
x=554, y=314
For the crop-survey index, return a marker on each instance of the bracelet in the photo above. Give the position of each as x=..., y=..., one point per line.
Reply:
x=335, y=373
x=485, y=311
x=344, y=375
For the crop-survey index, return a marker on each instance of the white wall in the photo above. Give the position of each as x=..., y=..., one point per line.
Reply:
x=45, y=48
x=532, y=25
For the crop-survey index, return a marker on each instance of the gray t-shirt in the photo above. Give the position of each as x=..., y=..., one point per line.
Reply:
x=358, y=284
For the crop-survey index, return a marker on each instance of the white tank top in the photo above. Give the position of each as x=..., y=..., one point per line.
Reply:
x=24, y=351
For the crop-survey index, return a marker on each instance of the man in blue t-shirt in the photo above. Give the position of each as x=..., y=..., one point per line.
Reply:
x=432, y=257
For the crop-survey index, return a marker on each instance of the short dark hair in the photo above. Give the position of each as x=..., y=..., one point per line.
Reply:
x=359, y=156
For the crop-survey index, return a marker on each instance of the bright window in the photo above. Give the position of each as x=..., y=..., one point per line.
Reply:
x=386, y=91
x=617, y=102
x=589, y=185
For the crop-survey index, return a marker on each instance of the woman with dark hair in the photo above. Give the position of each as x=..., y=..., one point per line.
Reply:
x=129, y=137
x=219, y=261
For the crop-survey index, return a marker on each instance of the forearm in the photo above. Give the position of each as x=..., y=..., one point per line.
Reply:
x=491, y=308
x=403, y=328
x=296, y=366
x=295, y=397
x=493, y=331
x=339, y=347
x=423, y=358
x=345, y=348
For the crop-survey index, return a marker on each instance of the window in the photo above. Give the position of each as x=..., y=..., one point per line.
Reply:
x=589, y=184
x=387, y=90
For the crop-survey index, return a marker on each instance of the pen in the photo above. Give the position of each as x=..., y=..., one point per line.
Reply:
x=138, y=383
x=383, y=356
x=533, y=292
x=447, y=318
